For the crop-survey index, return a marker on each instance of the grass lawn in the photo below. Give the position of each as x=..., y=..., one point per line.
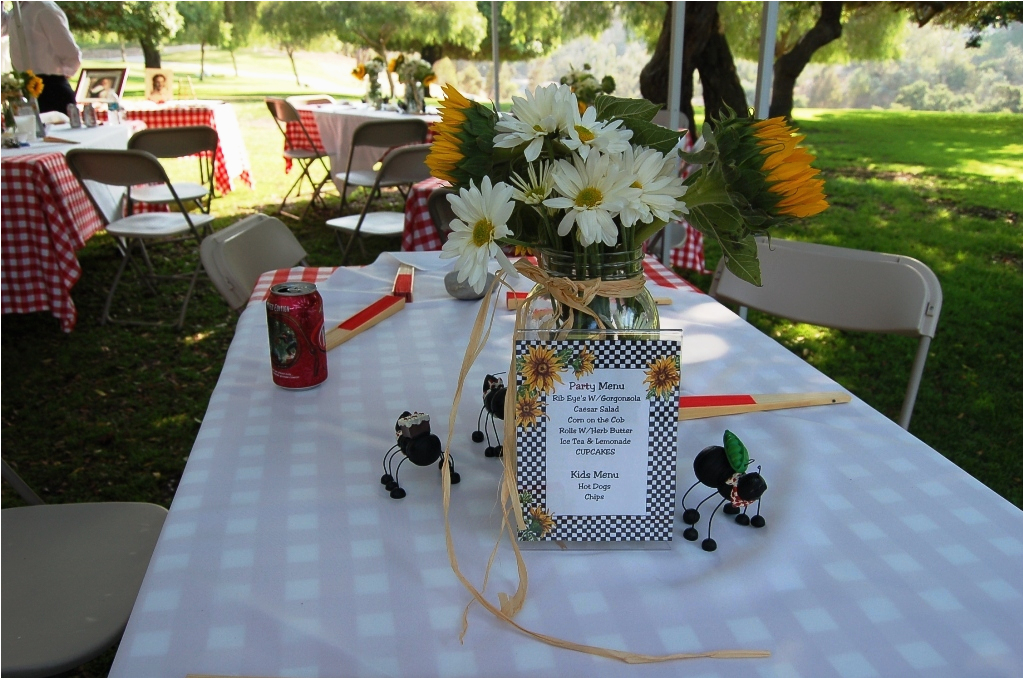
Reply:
x=111, y=413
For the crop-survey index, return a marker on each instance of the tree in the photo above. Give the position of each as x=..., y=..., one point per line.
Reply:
x=151, y=23
x=242, y=18
x=425, y=27
x=293, y=25
x=705, y=50
x=204, y=23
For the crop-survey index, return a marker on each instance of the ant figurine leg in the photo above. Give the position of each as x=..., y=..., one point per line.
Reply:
x=691, y=532
x=387, y=480
x=452, y=474
x=478, y=435
x=742, y=519
x=397, y=492
x=757, y=521
x=496, y=450
x=730, y=508
x=690, y=516
x=710, y=545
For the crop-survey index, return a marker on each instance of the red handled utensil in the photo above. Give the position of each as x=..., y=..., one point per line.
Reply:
x=696, y=407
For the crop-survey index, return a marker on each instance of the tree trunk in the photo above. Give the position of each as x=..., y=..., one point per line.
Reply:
x=124, y=54
x=234, y=62
x=150, y=53
x=701, y=25
x=202, y=60
x=722, y=87
x=291, y=57
x=789, y=66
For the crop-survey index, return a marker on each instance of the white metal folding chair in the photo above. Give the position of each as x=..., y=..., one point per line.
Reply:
x=179, y=142
x=309, y=99
x=284, y=113
x=843, y=289
x=383, y=135
x=404, y=165
x=235, y=257
x=441, y=212
x=129, y=169
x=71, y=574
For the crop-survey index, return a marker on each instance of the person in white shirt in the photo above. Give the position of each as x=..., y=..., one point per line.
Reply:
x=42, y=42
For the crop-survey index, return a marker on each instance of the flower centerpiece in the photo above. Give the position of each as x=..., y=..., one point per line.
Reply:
x=371, y=70
x=584, y=189
x=19, y=89
x=416, y=75
x=585, y=85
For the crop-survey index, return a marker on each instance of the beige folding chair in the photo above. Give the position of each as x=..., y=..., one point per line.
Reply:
x=310, y=99
x=382, y=134
x=129, y=169
x=71, y=574
x=235, y=257
x=405, y=165
x=441, y=212
x=179, y=142
x=285, y=113
x=843, y=289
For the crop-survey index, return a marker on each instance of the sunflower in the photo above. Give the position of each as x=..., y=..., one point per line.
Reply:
x=395, y=62
x=463, y=139
x=527, y=408
x=359, y=72
x=540, y=369
x=584, y=363
x=33, y=84
x=429, y=80
x=788, y=166
x=662, y=377
x=541, y=522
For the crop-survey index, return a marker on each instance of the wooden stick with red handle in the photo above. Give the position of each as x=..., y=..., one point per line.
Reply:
x=696, y=407
x=383, y=308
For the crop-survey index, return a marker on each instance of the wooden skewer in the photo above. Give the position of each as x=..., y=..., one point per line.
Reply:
x=383, y=308
x=696, y=407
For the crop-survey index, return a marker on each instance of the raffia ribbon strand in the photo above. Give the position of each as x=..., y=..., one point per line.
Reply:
x=576, y=295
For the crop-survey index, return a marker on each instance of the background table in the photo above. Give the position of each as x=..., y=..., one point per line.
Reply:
x=331, y=126
x=47, y=218
x=283, y=555
x=232, y=159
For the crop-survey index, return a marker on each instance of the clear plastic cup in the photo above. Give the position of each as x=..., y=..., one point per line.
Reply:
x=26, y=128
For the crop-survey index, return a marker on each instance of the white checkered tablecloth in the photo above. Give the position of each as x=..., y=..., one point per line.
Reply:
x=232, y=160
x=47, y=217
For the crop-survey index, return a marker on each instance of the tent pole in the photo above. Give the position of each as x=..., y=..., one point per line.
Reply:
x=766, y=57
x=494, y=54
x=672, y=231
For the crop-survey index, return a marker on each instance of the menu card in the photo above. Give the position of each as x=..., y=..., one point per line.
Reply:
x=596, y=437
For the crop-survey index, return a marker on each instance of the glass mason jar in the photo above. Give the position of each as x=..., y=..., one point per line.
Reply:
x=543, y=312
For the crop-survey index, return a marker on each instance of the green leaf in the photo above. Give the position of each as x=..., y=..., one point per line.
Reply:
x=741, y=259
x=739, y=459
x=653, y=136
x=610, y=108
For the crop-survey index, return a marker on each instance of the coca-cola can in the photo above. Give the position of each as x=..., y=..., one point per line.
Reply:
x=295, y=321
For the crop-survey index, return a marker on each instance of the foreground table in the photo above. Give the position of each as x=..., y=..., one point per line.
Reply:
x=47, y=218
x=283, y=555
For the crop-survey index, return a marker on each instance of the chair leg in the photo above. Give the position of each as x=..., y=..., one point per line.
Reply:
x=188, y=295
x=280, y=209
x=127, y=255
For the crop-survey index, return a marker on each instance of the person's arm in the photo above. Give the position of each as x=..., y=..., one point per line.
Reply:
x=62, y=43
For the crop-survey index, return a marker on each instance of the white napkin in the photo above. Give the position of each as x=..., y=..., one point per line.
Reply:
x=54, y=118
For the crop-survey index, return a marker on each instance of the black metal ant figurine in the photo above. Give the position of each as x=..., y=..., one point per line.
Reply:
x=494, y=405
x=724, y=468
x=416, y=444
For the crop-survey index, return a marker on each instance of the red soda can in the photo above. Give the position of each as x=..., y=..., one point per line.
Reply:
x=295, y=321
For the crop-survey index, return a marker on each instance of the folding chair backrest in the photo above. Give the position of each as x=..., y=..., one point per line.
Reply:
x=235, y=257
x=310, y=99
x=405, y=165
x=843, y=289
x=175, y=142
x=441, y=212
x=282, y=111
x=388, y=133
x=116, y=167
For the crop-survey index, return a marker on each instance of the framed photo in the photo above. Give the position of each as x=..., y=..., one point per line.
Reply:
x=159, y=82
x=94, y=84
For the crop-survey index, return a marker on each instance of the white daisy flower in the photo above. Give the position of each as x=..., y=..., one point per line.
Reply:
x=483, y=215
x=593, y=191
x=545, y=111
x=536, y=187
x=657, y=178
x=587, y=133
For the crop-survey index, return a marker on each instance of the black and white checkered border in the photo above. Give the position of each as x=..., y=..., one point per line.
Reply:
x=531, y=471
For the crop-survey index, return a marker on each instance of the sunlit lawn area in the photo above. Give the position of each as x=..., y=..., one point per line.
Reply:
x=110, y=413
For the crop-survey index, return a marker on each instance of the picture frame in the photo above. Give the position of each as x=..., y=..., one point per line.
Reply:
x=159, y=85
x=94, y=84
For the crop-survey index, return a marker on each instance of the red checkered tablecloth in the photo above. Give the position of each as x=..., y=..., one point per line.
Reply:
x=232, y=160
x=657, y=273
x=47, y=217
x=297, y=138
